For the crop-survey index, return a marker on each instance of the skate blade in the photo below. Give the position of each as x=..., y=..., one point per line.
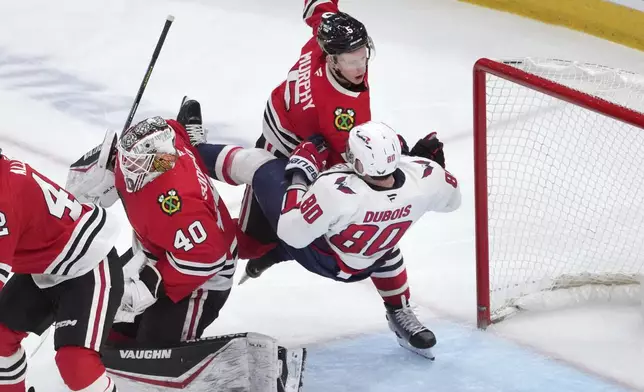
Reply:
x=244, y=278
x=423, y=352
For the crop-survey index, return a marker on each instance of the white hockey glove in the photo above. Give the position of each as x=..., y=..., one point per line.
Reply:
x=90, y=180
x=140, y=292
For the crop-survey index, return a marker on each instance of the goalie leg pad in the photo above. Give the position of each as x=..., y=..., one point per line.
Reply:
x=241, y=362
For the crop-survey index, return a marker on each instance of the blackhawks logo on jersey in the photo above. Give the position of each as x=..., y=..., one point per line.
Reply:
x=345, y=119
x=170, y=202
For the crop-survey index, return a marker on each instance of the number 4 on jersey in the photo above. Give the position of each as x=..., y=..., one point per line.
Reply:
x=196, y=235
x=58, y=200
x=3, y=222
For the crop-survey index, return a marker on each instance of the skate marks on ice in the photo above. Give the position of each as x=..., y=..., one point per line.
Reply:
x=89, y=101
x=466, y=360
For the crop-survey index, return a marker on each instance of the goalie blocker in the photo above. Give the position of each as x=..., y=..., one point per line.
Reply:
x=248, y=362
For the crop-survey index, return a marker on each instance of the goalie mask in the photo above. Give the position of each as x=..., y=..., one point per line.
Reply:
x=373, y=149
x=145, y=151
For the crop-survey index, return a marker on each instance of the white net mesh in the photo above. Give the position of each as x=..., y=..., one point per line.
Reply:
x=565, y=189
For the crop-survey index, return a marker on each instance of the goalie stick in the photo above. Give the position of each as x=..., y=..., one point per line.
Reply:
x=148, y=72
x=91, y=158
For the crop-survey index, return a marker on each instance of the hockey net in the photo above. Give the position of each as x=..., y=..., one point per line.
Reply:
x=559, y=185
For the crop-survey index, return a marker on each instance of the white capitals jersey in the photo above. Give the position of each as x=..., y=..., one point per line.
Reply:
x=360, y=222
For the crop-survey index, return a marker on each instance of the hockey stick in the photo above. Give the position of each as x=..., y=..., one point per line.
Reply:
x=148, y=72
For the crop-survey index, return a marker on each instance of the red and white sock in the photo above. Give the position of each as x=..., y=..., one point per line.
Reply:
x=82, y=370
x=238, y=165
x=13, y=360
x=13, y=370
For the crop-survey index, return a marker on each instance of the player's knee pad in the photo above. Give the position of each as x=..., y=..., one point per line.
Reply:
x=82, y=370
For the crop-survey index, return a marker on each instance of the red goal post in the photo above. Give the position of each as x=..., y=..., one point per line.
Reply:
x=550, y=137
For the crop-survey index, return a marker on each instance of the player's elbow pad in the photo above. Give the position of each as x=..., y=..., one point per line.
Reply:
x=290, y=235
x=454, y=202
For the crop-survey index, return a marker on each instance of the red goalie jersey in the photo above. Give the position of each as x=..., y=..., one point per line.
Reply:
x=311, y=100
x=45, y=231
x=182, y=222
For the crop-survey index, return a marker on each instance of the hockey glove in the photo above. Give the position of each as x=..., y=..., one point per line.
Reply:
x=139, y=294
x=404, y=148
x=431, y=148
x=309, y=159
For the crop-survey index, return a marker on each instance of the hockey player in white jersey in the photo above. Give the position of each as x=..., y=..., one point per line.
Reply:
x=345, y=223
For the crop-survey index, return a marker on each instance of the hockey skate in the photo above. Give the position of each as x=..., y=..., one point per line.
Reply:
x=190, y=117
x=411, y=334
x=256, y=267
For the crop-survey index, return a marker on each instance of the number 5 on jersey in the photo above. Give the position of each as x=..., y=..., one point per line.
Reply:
x=196, y=234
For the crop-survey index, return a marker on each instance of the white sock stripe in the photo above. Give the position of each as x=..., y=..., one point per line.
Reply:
x=13, y=368
x=220, y=164
x=391, y=293
x=389, y=274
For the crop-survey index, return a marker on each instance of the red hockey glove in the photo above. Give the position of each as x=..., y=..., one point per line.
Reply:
x=431, y=148
x=404, y=148
x=309, y=158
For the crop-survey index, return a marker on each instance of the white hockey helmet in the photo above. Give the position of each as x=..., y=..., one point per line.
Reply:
x=373, y=149
x=145, y=151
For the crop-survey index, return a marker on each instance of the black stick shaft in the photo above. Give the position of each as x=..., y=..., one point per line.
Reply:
x=148, y=72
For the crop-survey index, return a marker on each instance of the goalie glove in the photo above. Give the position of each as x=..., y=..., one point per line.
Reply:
x=308, y=160
x=431, y=148
x=91, y=178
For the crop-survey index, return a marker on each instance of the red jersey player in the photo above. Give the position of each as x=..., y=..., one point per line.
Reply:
x=65, y=271
x=183, y=227
x=326, y=92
